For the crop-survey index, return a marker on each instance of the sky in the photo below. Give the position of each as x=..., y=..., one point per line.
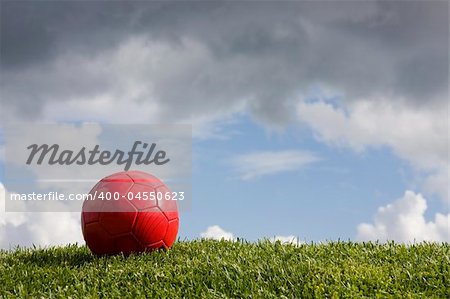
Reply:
x=312, y=121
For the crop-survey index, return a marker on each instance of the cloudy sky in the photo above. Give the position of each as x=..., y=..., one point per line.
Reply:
x=311, y=120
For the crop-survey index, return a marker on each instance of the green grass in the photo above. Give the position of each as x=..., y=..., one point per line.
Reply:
x=226, y=269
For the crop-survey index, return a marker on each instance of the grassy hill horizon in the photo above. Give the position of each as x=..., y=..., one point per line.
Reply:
x=232, y=269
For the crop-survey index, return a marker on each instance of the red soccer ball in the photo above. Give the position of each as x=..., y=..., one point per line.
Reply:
x=129, y=212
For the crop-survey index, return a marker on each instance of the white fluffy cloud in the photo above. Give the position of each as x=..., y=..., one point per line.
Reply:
x=417, y=135
x=217, y=233
x=291, y=239
x=404, y=221
x=257, y=164
x=439, y=183
x=41, y=229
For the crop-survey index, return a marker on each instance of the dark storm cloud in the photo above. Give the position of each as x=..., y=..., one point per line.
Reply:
x=34, y=32
x=261, y=53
